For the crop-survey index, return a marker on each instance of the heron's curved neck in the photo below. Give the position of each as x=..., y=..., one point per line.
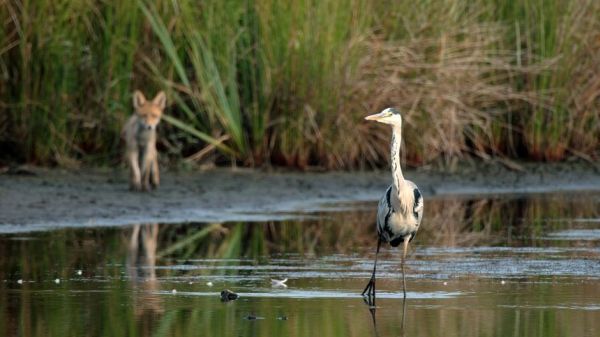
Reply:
x=395, y=157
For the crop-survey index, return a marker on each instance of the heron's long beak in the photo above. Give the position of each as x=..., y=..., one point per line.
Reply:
x=375, y=117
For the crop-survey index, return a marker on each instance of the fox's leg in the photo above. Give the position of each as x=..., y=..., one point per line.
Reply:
x=135, y=183
x=155, y=181
x=146, y=168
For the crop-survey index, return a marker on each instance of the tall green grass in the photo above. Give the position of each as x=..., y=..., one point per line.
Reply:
x=287, y=83
x=562, y=36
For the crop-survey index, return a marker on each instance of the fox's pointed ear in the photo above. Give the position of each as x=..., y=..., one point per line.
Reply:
x=160, y=100
x=138, y=99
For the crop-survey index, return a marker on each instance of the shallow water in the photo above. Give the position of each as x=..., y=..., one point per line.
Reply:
x=505, y=266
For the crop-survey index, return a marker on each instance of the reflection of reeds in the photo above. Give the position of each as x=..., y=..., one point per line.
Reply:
x=448, y=222
x=340, y=234
x=505, y=221
x=456, y=223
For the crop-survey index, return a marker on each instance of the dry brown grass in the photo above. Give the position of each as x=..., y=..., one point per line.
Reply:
x=451, y=90
x=583, y=84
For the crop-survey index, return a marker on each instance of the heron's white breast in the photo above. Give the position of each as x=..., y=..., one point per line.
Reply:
x=402, y=224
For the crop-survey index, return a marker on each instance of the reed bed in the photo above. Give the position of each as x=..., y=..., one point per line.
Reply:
x=267, y=82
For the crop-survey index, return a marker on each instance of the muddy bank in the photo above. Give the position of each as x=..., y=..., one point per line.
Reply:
x=56, y=198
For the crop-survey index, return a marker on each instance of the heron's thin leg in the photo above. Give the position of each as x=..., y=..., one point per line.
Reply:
x=406, y=240
x=403, y=315
x=370, y=288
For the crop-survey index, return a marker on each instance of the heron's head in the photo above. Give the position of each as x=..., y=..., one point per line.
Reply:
x=389, y=116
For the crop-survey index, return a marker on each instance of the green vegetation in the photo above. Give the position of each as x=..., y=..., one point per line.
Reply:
x=287, y=83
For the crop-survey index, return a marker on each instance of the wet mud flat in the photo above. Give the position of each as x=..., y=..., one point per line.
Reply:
x=43, y=199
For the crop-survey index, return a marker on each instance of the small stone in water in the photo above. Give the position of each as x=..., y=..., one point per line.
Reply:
x=228, y=295
x=57, y=281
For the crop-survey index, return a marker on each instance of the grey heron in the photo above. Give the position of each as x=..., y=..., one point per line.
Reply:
x=400, y=209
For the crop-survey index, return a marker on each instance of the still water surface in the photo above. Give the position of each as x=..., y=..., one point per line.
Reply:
x=501, y=266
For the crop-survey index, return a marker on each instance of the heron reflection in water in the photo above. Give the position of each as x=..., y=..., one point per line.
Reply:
x=373, y=312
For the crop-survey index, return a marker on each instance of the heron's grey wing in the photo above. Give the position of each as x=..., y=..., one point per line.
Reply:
x=418, y=206
x=383, y=212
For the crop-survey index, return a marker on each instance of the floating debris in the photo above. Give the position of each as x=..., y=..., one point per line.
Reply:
x=210, y=284
x=279, y=283
x=19, y=281
x=502, y=282
x=80, y=272
x=174, y=291
x=57, y=281
x=445, y=283
x=228, y=295
x=282, y=318
x=190, y=283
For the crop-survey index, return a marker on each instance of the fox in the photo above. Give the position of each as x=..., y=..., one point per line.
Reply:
x=139, y=134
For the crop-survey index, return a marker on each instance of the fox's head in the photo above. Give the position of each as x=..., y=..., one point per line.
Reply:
x=149, y=112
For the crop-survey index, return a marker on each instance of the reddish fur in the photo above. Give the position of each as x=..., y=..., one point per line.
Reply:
x=140, y=137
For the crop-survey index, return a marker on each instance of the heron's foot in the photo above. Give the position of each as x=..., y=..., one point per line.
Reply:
x=369, y=290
